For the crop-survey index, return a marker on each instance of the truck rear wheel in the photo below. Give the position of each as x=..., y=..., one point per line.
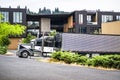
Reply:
x=25, y=54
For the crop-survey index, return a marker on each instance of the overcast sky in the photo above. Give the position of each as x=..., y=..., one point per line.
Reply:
x=64, y=5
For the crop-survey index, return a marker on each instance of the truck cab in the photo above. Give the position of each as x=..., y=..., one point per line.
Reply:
x=41, y=45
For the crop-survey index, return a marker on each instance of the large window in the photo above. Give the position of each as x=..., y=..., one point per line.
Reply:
x=89, y=18
x=33, y=27
x=80, y=18
x=33, y=24
x=118, y=17
x=83, y=30
x=17, y=17
x=5, y=16
x=107, y=18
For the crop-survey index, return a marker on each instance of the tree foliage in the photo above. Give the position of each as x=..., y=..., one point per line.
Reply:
x=7, y=29
x=53, y=33
x=1, y=16
x=28, y=38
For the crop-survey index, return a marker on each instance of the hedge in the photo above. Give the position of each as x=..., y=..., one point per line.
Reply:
x=106, y=61
x=69, y=57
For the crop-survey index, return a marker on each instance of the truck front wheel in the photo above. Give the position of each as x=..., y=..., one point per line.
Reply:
x=25, y=54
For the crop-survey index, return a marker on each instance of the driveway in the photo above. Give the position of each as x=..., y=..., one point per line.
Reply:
x=14, y=68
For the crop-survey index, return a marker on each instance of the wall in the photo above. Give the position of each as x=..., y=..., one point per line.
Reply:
x=14, y=43
x=69, y=24
x=111, y=28
x=65, y=27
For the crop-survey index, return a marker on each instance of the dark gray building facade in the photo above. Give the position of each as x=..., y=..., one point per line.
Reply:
x=88, y=21
x=83, y=21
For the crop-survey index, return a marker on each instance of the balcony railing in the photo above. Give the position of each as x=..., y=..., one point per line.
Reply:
x=91, y=23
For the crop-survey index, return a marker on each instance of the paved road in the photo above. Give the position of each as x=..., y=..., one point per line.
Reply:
x=13, y=68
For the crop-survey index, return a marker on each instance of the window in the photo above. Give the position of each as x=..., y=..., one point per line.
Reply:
x=5, y=16
x=89, y=18
x=118, y=17
x=80, y=18
x=29, y=23
x=38, y=43
x=83, y=30
x=107, y=18
x=17, y=17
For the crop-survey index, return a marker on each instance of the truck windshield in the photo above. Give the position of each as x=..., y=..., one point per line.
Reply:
x=48, y=42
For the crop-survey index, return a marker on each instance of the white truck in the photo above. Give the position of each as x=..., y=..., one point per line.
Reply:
x=41, y=46
x=81, y=43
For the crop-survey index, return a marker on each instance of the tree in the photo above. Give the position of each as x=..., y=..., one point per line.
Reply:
x=28, y=38
x=52, y=33
x=1, y=16
x=7, y=29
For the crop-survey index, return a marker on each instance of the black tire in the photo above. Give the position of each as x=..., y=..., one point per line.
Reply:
x=20, y=56
x=25, y=54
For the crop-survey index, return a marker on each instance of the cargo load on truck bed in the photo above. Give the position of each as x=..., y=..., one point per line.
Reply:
x=91, y=43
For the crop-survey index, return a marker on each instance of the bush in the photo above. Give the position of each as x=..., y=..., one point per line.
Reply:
x=82, y=60
x=4, y=40
x=53, y=33
x=116, y=64
x=103, y=61
x=3, y=49
x=116, y=61
x=28, y=38
x=107, y=61
x=89, y=62
x=56, y=55
x=98, y=61
x=114, y=57
x=67, y=57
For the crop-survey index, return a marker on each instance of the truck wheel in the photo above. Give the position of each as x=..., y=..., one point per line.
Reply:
x=25, y=54
x=20, y=56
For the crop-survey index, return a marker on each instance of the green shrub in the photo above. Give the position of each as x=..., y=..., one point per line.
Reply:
x=114, y=57
x=116, y=61
x=57, y=55
x=116, y=64
x=75, y=58
x=52, y=33
x=89, y=62
x=67, y=57
x=107, y=61
x=97, y=61
x=4, y=40
x=82, y=60
x=3, y=49
x=28, y=38
x=103, y=61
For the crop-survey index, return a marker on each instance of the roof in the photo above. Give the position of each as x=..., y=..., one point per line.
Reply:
x=55, y=18
x=52, y=16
